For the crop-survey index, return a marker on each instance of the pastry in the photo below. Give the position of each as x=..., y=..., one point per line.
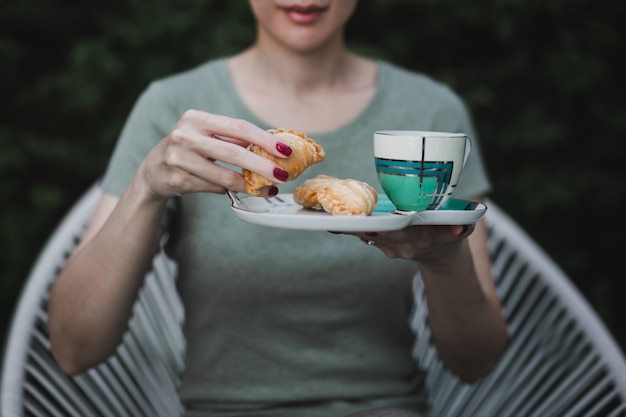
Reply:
x=306, y=194
x=337, y=196
x=305, y=152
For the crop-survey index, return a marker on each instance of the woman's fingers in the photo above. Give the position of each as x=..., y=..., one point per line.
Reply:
x=195, y=173
x=416, y=241
x=237, y=131
x=203, y=173
x=194, y=152
x=462, y=231
x=227, y=140
x=206, y=152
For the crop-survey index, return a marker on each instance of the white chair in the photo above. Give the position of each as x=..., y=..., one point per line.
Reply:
x=561, y=360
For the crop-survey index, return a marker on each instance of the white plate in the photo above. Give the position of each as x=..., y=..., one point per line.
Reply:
x=282, y=212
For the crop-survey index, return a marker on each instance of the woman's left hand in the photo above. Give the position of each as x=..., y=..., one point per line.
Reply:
x=418, y=243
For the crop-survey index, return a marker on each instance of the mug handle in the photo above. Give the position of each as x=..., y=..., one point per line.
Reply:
x=468, y=149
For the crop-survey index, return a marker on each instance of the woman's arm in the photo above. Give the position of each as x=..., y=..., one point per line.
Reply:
x=91, y=302
x=465, y=315
x=92, y=299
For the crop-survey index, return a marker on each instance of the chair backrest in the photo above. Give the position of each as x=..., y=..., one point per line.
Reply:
x=140, y=380
x=561, y=360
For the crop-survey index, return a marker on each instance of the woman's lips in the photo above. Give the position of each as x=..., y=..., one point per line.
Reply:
x=301, y=14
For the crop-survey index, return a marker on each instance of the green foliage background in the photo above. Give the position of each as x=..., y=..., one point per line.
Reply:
x=543, y=78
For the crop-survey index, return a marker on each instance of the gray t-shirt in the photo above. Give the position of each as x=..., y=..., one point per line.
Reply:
x=282, y=322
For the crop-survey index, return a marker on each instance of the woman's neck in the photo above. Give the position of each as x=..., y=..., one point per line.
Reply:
x=299, y=73
x=316, y=91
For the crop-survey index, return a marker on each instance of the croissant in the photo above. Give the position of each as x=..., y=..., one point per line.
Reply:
x=337, y=196
x=305, y=152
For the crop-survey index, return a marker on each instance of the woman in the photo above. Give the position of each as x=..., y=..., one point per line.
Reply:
x=281, y=322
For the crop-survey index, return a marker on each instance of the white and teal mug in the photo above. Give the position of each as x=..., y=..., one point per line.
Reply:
x=418, y=170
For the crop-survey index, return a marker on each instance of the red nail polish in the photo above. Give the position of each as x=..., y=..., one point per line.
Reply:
x=372, y=234
x=281, y=174
x=272, y=191
x=283, y=148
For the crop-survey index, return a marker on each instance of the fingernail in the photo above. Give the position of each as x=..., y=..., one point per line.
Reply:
x=272, y=191
x=283, y=148
x=464, y=231
x=281, y=174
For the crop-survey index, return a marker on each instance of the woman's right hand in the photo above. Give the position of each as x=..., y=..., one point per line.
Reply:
x=186, y=161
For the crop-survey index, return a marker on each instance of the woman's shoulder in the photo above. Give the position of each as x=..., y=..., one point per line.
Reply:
x=195, y=77
x=404, y=82
x=195, y=87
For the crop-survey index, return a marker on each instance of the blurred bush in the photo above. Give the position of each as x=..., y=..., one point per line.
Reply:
x=543, y=80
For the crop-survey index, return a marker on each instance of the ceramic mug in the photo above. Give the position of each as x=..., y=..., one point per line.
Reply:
x=418, y=170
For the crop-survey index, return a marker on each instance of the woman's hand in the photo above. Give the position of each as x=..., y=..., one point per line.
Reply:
x=424, y=244
x=186, y=161
x=464, y=310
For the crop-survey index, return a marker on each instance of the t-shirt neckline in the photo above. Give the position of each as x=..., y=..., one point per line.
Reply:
x=359, y=120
